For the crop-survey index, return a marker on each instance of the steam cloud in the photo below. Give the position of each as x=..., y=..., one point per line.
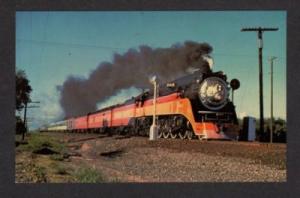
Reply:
x=80, y=96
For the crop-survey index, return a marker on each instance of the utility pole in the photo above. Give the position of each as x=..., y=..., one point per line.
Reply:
x=271, y=121
x=25, y=113
x=260, y=31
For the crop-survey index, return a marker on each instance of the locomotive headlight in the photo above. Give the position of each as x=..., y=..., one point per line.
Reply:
x=213, y=93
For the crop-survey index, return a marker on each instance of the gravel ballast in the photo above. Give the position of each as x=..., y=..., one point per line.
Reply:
x=136, y=159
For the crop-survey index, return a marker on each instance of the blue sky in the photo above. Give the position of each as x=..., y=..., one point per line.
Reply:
x=53, y=45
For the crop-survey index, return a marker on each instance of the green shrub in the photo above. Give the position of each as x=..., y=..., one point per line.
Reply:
x=38, y=141
x=61, y=170
x=57, y=157
x=40, y=173
x=87, y=175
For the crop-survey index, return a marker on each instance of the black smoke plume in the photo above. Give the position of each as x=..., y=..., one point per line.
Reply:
x=133, y=68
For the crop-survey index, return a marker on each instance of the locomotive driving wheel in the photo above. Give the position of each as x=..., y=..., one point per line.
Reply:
x=159, y=133
x=201, y=137
x=182, y=134
x=165, y=129
x=160, y=128
x=173, y=134
x=176, y=123
x=166, y=133
x=189, y=134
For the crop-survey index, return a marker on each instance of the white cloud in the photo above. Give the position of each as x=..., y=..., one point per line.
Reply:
x=49, y=109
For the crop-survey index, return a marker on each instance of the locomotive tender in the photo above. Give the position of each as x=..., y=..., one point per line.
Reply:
x=196, y=105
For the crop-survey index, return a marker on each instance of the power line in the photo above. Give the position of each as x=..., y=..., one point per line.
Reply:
x=75, y=45
x=242, y=55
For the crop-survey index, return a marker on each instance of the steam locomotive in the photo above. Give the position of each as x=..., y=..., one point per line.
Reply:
x=196, y=105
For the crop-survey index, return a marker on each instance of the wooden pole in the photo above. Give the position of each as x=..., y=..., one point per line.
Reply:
x=271, y=109
x=260, y=31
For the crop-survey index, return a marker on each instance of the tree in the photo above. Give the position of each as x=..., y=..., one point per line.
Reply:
x=23, y=90
x=20, y=127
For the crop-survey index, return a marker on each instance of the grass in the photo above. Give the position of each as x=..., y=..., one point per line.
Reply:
x=47, y=166
x=38, y=141
x=88, y=175
x=57, y=157
x=59, y=169
x=40, y=173
x=62, y=170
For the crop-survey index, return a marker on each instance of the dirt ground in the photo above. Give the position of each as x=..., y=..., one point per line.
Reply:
x=136, y=159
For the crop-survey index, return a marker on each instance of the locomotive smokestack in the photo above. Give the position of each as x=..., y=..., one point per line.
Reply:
x=209, y=60
x=79, y=96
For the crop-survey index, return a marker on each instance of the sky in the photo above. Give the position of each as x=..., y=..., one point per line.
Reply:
x=50, y=46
